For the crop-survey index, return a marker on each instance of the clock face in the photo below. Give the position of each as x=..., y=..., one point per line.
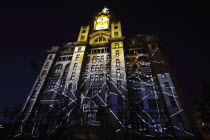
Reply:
x=102, y=19
x=102, y=22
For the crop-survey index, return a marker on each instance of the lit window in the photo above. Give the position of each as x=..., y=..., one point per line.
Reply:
x=47, y=64
x=117, y=62
x=108, y=57
x=118, y=84
x=92, y=68
x=118, y=72
x=91, y=78
x=75, y=66
x=94, y=59
x=62, y=83
x=51, y=84
x=102, y=58
x=77, y=57
x=101, y=67
x=96, y=77
x=163, y=76
x=50, y=57
x=100, y=77
x=167, y=86
x=116, y=45
x=98, y=58
x=79, y=49
x=73, y=76
x=117, y=53
x=44, y=73
x=97, y=67
x=86, y=68
x=38, y=83
x=82, y=37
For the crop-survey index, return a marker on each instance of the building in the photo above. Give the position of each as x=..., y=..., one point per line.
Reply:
x=105, y=85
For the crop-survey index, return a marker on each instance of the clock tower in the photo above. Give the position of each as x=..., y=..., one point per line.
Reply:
x=102, y=20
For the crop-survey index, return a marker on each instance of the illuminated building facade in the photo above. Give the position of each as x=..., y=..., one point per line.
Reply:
x=105, y=81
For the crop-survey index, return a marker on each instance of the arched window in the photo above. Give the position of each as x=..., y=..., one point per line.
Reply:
x=100, y=39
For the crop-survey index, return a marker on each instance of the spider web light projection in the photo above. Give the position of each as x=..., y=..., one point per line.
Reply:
x=146, y=120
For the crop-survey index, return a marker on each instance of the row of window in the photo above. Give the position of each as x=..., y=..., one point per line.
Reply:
x=96, y=77
x=64, y=58
x=95, y=51
x=99, y=58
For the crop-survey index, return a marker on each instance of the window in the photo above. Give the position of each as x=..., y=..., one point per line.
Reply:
x=75, y=66
x=73, y=76
x=101, y=67
x=51, y=84
x=58, y=95
x=83, y=31
x=115, y=33
x=98, y=58
x=117, y=53
x=48, y=95
x=172, y=101
x=62, y=83
x=95, y=90
x=94, y=59
x=44, y=73
x=84, y=77
x=117, y=62
x=152, y=104
x=99, y=88
x=66, y=70
x=69, y=58
x=115, y=27
x=91, y=78
x=118, y=84
x=38, y=83
x=97, y=67
x=50, y=57
x=77, y=57
x=119, y=100
x=86, y=68
x=47, y=64
x=167, y=86
x=102, y=58
x=93, y=68
x=118, y=72
x=108, y=57
x=60, y=58
x=163, y=76
x=82, y=37
x=79, y=49
x=116, y=45
x=101, y=77
x=96, y=77
x=149, y=90
x=58, y=68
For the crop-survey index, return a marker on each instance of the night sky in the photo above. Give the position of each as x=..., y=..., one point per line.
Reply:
x=27, y=30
